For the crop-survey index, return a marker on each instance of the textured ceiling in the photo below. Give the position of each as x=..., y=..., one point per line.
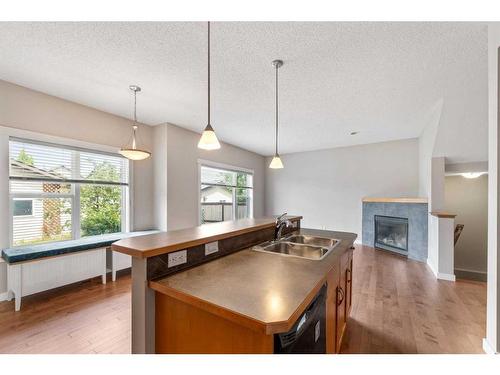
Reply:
x=380, y=79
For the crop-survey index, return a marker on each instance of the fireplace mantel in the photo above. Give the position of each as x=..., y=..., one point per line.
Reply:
x=394, y=200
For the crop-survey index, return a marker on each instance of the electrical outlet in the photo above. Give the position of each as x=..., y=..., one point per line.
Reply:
x=211, y=247
x=179, y=257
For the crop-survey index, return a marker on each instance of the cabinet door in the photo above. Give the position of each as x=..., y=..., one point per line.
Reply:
x=349, y=287
x=331, y=310
x=341, y=308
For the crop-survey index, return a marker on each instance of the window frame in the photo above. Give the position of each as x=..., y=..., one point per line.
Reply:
x=74, y=196
x=229, y=168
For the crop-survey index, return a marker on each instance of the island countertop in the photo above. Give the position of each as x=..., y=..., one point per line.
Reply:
x=263, y=291
x=170, y=241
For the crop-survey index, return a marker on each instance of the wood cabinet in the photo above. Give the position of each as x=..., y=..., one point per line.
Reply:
x=343, y=297
x=186, y=325
x=349, y=286
x=186, y=329
x=332, y=310
x=339, y=301
x=341, y=308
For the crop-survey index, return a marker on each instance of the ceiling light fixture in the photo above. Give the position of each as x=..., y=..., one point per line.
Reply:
x=472, y=174
x=133, y=153
x=208, y=140
x=276, y=162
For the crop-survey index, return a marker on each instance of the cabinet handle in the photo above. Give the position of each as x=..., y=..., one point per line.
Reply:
x=341, y=291
x=349, y=275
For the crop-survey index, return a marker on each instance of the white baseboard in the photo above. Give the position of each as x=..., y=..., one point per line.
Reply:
x=3, y=296
x=488, y=349
x=440, y=275
x=431, y=266
x=463, y=273
x=446, y=276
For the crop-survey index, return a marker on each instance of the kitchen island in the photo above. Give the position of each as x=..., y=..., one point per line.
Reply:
x=233, y=300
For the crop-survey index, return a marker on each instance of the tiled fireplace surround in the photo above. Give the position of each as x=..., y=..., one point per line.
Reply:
x=415, y=210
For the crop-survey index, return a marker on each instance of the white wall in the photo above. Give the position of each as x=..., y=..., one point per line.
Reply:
x=439, y=253
x=327, y=186
x=468, y=198
x=160, y=176
x=426, y=143
x=182, y=175
x=462, y=134
x=492, y=342
x=22, y=109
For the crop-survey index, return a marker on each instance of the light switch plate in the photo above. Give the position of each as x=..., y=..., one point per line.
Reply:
x=211, y=247
x=179, y=257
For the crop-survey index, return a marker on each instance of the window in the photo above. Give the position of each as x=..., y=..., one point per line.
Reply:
x=60, y=193
x=225, y=194
x=23, y=207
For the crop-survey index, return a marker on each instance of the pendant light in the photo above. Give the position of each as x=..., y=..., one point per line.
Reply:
x=276, y=163
x=133, y=153
x=208, y=140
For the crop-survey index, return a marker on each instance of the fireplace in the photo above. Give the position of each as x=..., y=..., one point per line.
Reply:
x=391, y=233
x=412, y=217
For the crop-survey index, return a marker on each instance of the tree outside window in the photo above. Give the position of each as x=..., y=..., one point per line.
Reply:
x=101, y=204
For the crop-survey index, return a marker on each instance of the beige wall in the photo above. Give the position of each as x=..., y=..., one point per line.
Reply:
x=468, y=198
x=327, y=186
x=182, y=180
x=22, y=109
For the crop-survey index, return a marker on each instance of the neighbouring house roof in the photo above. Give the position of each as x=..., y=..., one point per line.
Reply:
x=19, y=168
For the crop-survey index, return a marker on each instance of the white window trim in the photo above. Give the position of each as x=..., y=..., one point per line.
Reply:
x=234, y=168
x=7, y=132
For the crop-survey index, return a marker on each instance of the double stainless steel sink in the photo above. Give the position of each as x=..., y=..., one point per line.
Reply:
x=301, y=246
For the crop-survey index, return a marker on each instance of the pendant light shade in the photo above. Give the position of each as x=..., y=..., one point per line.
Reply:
x=208, y=140
x=132, y=152
x=276, y=162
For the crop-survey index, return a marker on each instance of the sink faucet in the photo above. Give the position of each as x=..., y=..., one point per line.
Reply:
x=281, y=222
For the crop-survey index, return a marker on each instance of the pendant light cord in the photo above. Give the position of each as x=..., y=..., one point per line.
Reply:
x=209, y=73
x=276, y=150
x=134, y=127
x=135, y=107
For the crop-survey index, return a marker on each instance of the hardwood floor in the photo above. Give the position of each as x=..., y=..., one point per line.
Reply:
x=86, y=317
x=398, y=307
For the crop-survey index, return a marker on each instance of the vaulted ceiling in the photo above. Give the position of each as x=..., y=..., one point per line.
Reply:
x=378, y=79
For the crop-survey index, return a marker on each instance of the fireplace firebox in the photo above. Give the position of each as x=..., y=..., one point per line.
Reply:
x=391, y=233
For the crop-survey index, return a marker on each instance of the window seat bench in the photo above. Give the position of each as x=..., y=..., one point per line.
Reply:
x=36, y=268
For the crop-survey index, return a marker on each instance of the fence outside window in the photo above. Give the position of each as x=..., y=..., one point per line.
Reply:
x=225, y=194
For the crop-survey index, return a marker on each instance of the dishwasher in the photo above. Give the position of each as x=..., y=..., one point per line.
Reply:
x=308, y=334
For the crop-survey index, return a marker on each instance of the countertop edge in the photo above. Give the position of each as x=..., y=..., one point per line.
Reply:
x=185, y=244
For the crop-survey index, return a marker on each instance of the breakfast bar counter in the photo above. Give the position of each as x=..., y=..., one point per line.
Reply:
x=235, y=299
x=269, y=289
